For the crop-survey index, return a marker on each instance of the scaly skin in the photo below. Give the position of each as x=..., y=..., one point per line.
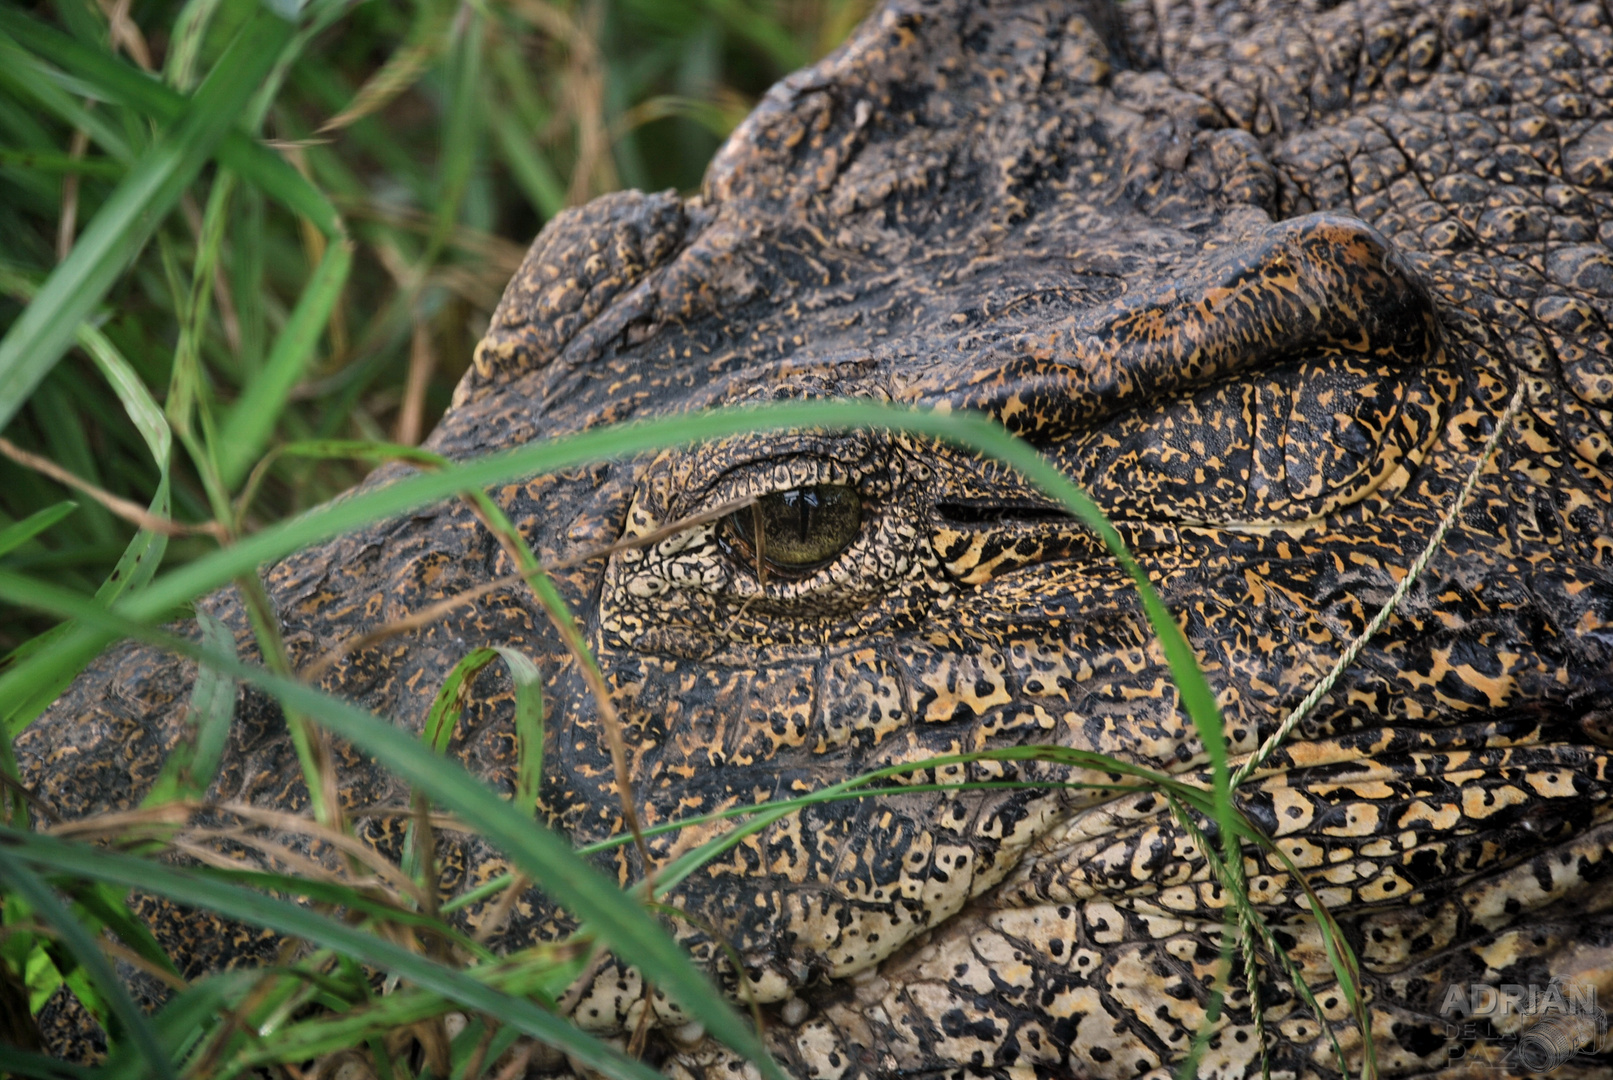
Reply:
x=1260, y=276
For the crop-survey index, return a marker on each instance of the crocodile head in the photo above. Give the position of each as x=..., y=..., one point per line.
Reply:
x=1262, y=278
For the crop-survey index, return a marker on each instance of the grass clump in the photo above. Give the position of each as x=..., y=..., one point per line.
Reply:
x=243, y=229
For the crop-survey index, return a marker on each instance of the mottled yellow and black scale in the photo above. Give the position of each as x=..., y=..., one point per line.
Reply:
x=1261, y=275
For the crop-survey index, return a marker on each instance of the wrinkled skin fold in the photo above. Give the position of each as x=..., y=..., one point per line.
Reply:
x=1260, y=276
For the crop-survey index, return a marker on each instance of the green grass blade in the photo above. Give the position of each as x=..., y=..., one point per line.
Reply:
x=544, y=976
x=144, y=551
x=528, y=166
x=249, y=242
x=618, y=441
x=26, y=77
x=120, y=229
x=59, y=857
x=972, y=432
x=137, y=401
x=761, y=31
x=252, y=419
x=463, y=130
x=20, y=532
x=450, y=701
x=539, y=853
x=356, y=900
x=528, y=727
x=25, y=883
x=50, y=161
x=196, y=303
x=182, y=1021
x=23, y=1063
x=124, y=84
x=190, y=27
x=106, y=905
x=436, y=735
x=190, y=767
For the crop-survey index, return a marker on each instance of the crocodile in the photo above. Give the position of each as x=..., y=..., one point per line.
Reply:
x=1262, y=277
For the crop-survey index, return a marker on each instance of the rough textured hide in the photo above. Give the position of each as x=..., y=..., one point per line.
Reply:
x=1260, y=275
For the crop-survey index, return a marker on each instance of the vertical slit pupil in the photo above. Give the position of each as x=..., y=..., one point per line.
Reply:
x=805, y=501
x=800, y=529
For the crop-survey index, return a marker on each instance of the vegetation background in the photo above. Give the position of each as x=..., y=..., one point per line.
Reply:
x=444, y=134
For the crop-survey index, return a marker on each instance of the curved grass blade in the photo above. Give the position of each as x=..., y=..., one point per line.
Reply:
x=353, y=899
x=450, y=704
x=539, y=853
x=59, y=856
x=544, y=977
x=20, y=532
x=25, y=883
x=976, y=433
x=37, y=340
x=766, y=814
x=618, y=441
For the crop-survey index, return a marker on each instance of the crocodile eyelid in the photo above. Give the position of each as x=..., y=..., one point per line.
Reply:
x=711, y=475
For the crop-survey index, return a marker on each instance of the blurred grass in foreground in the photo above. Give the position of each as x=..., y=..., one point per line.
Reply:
x=442, y=134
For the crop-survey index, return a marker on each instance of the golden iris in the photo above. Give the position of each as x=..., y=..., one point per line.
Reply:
x=797, y=531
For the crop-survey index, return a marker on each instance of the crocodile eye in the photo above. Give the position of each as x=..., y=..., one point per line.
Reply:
x=797, y=531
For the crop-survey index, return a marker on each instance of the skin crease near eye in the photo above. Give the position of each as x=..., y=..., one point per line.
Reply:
x=799, y=530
